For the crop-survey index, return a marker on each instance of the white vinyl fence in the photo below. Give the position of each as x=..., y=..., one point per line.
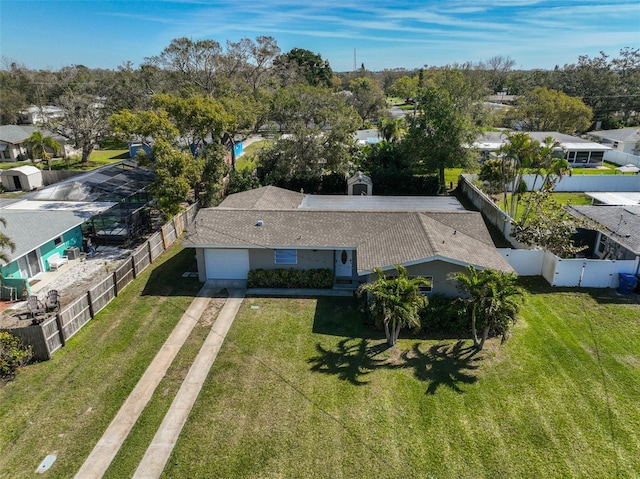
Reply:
x=582, y=272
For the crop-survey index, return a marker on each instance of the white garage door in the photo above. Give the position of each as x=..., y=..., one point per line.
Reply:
x=227, y=263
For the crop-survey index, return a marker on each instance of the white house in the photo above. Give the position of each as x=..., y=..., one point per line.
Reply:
x=625, y=140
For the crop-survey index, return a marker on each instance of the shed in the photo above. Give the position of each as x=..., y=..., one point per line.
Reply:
x=21, y=178
x=360, y=184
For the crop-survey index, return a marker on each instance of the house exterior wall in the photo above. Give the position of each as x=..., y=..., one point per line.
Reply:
x=11, y=151
x=307, y=259
x=439, y=271
x=70, y=238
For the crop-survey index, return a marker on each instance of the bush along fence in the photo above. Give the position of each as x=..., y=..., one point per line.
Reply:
x=53, y=333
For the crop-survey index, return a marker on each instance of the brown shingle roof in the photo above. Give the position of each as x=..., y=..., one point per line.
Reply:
x=381, y=239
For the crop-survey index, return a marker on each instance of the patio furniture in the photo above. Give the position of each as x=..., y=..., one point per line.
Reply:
x=55, y=261
x=35, y=306
x=9, y=293
x=52, y=302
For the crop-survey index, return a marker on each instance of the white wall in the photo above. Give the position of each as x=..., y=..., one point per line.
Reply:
x=586, y=273
x=621, y=158
x=580, y=183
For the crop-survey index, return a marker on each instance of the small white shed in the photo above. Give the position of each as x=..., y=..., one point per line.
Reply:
x=21, y=178
x=360, y=184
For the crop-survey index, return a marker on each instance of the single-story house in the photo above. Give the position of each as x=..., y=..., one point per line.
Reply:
x=578, y=152
x=35, y=115
x=272, y=228
x=21, y=178
x=616, y=231
x=13, y=146
x=626, y=140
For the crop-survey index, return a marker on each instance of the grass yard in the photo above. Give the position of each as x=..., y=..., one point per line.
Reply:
x=302, y=388
x=63, y=406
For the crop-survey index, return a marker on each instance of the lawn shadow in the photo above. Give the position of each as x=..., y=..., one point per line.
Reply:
x=341, y=316
x=166, y=279
x=538, y=285
x=353, y=359
x=444, y=364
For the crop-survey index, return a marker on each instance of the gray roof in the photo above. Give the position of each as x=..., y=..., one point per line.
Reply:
x=274, y=198
x=382, y=239
x=621, y=134
x=494, y=139
x=16, y=134
x=31, y=229
x=265, y=198
x=621, y=223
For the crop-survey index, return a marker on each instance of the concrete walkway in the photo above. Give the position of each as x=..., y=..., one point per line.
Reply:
x=107, y=447
x=159, y=450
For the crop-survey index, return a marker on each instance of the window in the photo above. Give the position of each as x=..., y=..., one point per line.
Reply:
x=286, y=256
x=57, y=241
x=426, y=288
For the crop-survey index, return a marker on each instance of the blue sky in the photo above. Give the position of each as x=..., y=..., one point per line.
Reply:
x=404, y=33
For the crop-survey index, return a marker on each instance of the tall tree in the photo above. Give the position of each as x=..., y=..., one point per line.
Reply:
x=550, y=110
x=300, y=64
x=367, y=98
x=397, y=300
x=440, y=134
x=41, y=146
x=84, y=122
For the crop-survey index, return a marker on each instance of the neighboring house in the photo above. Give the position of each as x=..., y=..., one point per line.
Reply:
x=616, y=231
x=625, y=140
x=579, y=152
x=21, y=178
x=273, y=228
x=35, y=115
x=103, y=205
x=13, y=146
x=367, y=137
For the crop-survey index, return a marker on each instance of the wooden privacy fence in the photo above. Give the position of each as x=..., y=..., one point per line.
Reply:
x=53, y=333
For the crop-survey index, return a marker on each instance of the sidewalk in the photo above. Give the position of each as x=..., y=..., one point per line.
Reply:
x=107, y=447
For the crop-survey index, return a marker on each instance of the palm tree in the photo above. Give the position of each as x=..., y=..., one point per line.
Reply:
x=500, y=304
x=473, y=282
x=5, y=243
x=392, y=129
x=398, y=299
x=40, y=145
x=493, y=301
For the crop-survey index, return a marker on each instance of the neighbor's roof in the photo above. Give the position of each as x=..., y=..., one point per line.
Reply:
x=16, y=134
x=493, y=140
x=622, y=134
x=381, y=238
x=616, y=198
x=31, y=229
x=82, y=209
x=621, y=223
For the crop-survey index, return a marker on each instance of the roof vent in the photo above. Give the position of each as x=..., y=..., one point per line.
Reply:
x=259, y=223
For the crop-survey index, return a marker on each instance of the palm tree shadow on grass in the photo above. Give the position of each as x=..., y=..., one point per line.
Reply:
x=444, y=364
x=352, y=360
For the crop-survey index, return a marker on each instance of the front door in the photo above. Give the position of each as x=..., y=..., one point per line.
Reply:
x=344, y=263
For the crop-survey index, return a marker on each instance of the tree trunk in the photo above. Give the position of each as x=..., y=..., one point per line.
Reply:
x=485, y=335
x=387, y=334
x=474, y=330
x=86, y=151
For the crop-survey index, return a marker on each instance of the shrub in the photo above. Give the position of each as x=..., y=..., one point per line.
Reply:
x=290, y=278
x=13, y=354
x=444, y=314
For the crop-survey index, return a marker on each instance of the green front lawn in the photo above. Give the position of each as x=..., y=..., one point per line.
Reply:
x=302, y=388
x=64, y=405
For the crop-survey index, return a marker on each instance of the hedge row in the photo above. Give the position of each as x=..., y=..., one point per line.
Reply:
x=290, y=278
